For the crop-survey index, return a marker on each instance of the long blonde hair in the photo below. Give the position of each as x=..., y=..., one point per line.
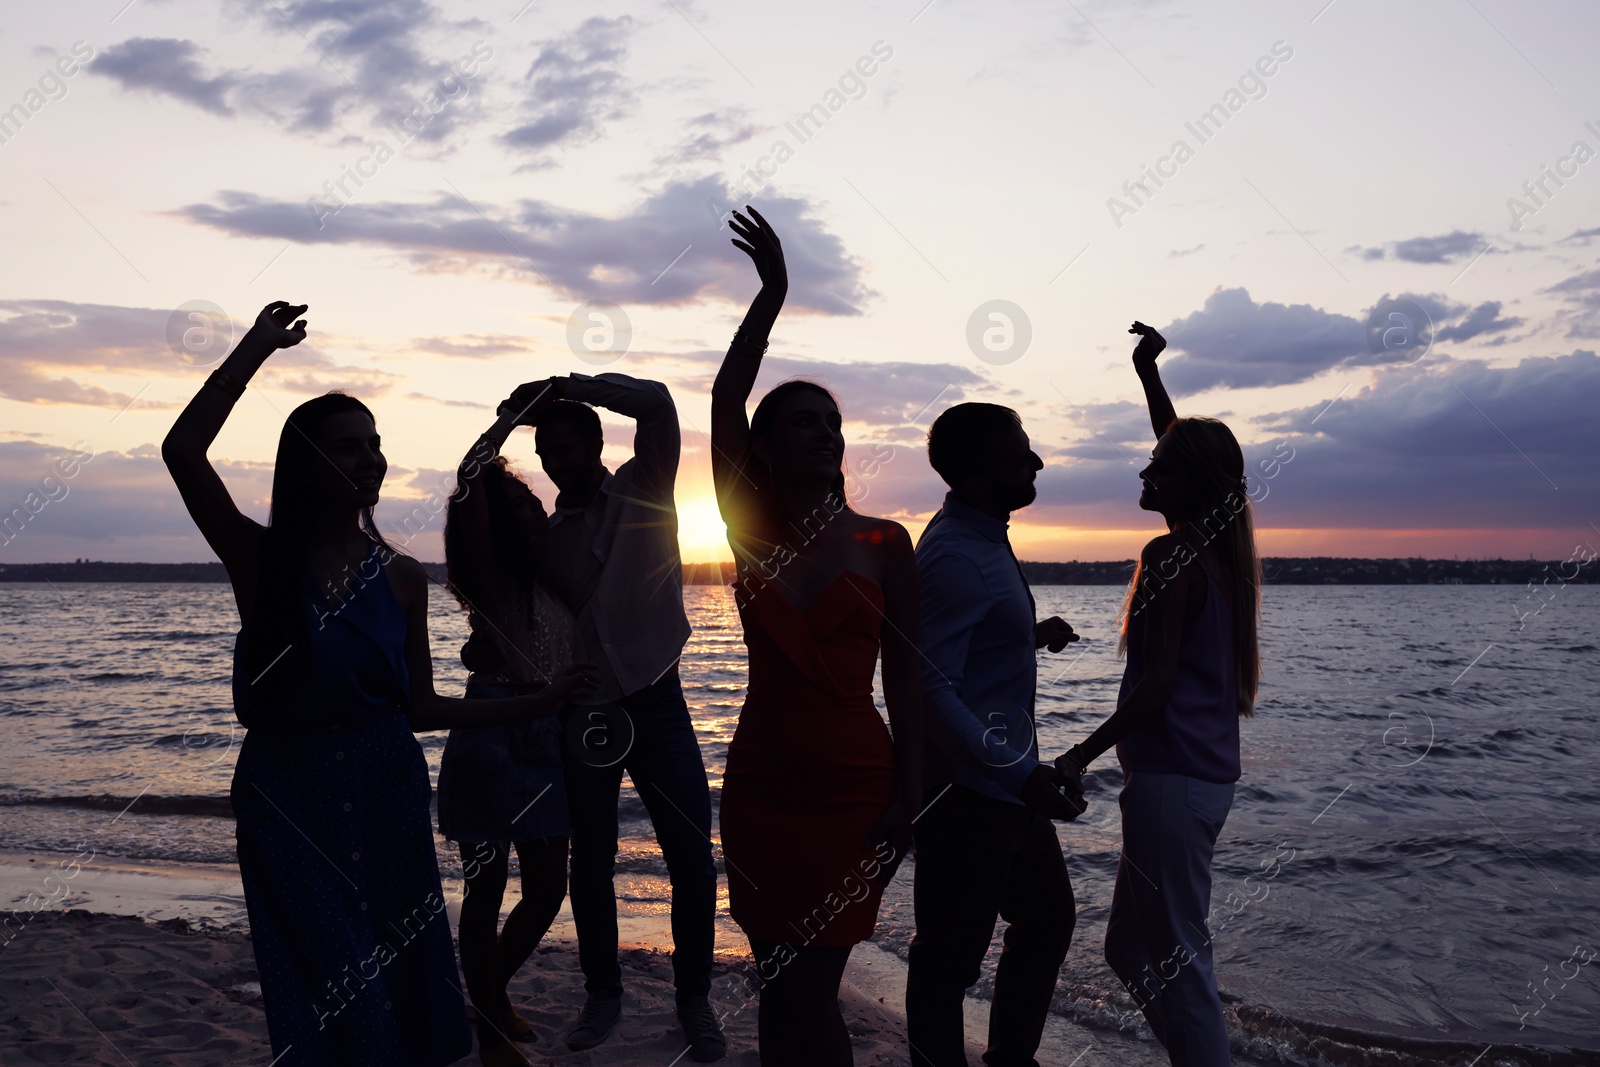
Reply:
x=1225, y=516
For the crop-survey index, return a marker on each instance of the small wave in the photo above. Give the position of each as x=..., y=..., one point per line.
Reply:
x=146, y=804
x=1268, y=1036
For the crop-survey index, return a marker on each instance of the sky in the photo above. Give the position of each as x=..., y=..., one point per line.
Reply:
x=1367, y=230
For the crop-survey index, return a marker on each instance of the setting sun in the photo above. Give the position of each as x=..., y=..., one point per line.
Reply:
x=702, y=538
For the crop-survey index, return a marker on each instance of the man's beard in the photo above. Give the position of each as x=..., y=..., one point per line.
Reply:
x=1020, y=498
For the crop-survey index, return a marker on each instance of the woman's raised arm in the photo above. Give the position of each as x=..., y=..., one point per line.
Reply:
x=231, y=535
x=470, y=509
x=1162, y=414
x=730, y=425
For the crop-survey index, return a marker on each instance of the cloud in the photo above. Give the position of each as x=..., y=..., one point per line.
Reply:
x=1462, y=444
x=1445, y=248
x=166, y=66
x=1459, y=445
x=120, y=505
x=1480, y=321
x=1581, y=294
x=1234, y=341
x=48, y=346
x=366, y=65
x=1179, y=253
x=709, y=134
x=573, y=86
x=123, y=505
x=449, y=403
x=880, y=393
x=473, y=346
x=668, y=248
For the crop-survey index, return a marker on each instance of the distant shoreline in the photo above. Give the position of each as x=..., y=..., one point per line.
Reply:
x=1279, y=570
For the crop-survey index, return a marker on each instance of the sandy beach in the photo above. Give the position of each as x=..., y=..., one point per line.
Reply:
x=85, y=988
x=147, y=963
x=150, y=963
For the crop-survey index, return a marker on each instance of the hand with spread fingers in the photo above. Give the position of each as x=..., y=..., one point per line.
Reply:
x=761, y=244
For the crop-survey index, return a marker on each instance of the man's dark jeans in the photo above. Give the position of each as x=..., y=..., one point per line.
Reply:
x=978, y=859
x=652, y=740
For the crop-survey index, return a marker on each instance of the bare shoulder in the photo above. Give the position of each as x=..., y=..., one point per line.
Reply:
x=880, y=532
x=1169, y=546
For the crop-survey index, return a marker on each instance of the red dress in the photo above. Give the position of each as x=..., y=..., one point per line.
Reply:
x=810, y=770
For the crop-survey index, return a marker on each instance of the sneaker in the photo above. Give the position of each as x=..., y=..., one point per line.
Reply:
x=595, y=1022
x=702, y=1030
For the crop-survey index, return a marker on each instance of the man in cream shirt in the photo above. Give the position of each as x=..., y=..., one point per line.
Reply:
x=611, y=553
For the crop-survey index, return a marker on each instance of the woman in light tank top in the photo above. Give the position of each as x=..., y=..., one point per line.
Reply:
x=1189, y=632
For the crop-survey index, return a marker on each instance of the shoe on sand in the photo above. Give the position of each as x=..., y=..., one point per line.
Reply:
x=702, y=1030
x=515, y=1026
x=504, y=1054
x=595, y=1022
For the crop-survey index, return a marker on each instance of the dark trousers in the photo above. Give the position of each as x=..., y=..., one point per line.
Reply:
x=648, y=735
x=977, y=859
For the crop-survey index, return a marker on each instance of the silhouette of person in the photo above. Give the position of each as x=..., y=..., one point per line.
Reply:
x=986, y=845
x=332, y=675
x=504, y=785
x=611, y=555
x=1189, y=631
x=818, y=797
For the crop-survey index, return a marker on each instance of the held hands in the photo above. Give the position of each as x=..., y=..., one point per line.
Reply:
x=528, y=400
x=1043, y=793
x=892, y=836
x=1053, y=633
x=576, y=682
x=273, y=324
x=1150, y=344
x=761, y=244
x=1069, y=775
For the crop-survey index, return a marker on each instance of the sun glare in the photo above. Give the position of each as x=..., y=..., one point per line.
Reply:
x=702, y=538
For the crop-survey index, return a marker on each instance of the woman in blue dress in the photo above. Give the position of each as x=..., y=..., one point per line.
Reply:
x=502, y=786
x=332, y=675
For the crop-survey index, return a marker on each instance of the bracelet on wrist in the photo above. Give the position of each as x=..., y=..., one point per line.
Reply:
x=746, y=345
x=226, y=382
x=1075, y=754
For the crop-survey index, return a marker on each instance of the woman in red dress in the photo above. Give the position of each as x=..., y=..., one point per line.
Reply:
x=818, y=797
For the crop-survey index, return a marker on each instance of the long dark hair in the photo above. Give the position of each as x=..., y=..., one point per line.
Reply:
x=764, y=423
x=1225, y=516
x=511, y=568
x=278, y=621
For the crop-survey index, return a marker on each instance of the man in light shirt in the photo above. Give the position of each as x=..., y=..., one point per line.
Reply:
x=611, y=554
x=985, y=843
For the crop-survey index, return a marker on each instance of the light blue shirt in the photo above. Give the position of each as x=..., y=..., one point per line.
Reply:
x=978, y=663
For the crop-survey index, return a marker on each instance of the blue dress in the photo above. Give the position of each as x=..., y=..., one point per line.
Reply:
x=347, y=914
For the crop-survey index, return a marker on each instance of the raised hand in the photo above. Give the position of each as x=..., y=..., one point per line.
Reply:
x=529, y=399
x=1053, y=633
x=761, y=244
x=1150, y=343
x=273, y=324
